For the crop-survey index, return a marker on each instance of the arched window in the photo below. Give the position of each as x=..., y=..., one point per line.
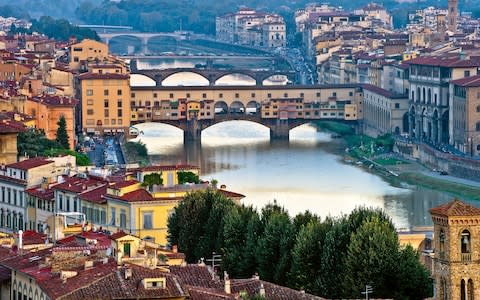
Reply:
x=470, y=290
x=441, y=238
x=442, y=295
x=429, y=100
x=424, y=98
x=418, y=94
x=466, y=246
x=463, y=290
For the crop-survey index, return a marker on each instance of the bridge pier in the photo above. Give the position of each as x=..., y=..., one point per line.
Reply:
x=280, y=130
x=144, y=48
x=193, y=131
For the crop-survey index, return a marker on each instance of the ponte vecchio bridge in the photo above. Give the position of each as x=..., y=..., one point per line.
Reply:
x=280, y=108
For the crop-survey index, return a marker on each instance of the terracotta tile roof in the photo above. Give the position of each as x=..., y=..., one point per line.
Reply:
x=135, y=196
x=115, y=286
x=54, y=100
x=201, y=293
x=86, y=76
x=451, y=61
x=13, y=180
x=122, y=184
x=11, y=126
x=272, y=291
x=44, y=194
x=472, y=81
x=31, y=237
x=379, y=91
x=230, y=194
x=78, y=184
x=30, y=163
x=196, y=275
x=455, y=208
x=96, y=195
x=118, y=235
x=164, y=168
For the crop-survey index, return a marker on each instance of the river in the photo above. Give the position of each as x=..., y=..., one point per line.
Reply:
x=305, y=173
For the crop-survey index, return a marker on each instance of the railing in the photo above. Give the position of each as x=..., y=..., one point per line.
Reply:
x=466, y=256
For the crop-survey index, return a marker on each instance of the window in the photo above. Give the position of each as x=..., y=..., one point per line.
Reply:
x=123, y=218
x=105, y=103
x=442, y=241
x=237, y=95
x=89, y=101
x=204, y=95
x=302, y=95
x=119, y=113
x=188, y=95
x=113, y=122
x=477, y=127
x=89, y=112
x=465, y=244
x=112, y=217
x=253, y=95
x=106, y=113
x=105, y=92
x=60, y=202
x=132, y=95
x=285, y=95
x=89, y=92
x=350, y=94
x=318, y=94
x=269, y=95
x=147, y=103
x=466, y=73
x=154, y=95
x=119, y=103
x=334, y=94
x=119, y=92
x=397, y=105
x=171, y=96
x=147, y=220
x=220, y=95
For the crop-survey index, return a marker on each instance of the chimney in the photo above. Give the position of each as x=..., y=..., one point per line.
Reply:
x=228, y=286
x=262, y=290
x=174, y=249
x=20, y=240
x=128, y=273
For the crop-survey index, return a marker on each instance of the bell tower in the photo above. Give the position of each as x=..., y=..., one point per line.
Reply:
x=452, y=15
x=456, y=269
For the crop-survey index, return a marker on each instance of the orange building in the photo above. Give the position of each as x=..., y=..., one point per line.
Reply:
x=13, y=71
x=47, y=109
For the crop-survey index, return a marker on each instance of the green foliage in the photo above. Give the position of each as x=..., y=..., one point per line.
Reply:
x=152, y=179
x=62, y=135
x=136, y=152
x=335, y=258
x=33, y=143
x=80, y=158
x=187, y=177
x=58, y=29
x=274, y=248
x=195, y=224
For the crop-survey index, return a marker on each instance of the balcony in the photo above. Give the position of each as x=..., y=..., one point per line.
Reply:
x=466, y=257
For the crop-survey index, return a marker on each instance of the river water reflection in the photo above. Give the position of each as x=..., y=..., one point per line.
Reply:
x=305, y=173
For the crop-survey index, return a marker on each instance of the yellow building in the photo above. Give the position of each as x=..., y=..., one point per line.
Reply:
x=9, y=130
x=87, y=50
x=169, y=173
x=105, y=100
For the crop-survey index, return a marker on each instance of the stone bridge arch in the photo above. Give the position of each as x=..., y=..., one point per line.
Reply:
x=246, y=75
x=134, y=41
x=171, y=75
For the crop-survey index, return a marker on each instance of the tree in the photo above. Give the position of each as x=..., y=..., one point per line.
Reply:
x=413, y=278
x=238, y=252
x=62, y=135
x=196, y=224
x=33, y=142
x=187, y=177
x=274, y=248
x=307, y=256
x=372, y=258
x=152, y=179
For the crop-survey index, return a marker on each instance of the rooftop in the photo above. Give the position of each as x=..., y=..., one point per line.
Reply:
x=383, y=92
x=54, y=100
x=455, y=208
x=87, y=76
x=30, y=163
x=472, y=81
x=451, y=61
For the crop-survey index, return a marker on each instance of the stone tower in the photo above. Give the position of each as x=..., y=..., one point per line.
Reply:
x=452, y=15
x=456, y=269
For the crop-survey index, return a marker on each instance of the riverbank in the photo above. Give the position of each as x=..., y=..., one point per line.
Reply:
x=373, y=156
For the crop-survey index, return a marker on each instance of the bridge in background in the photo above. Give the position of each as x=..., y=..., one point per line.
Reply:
x=144, y=37
x=105, y=27
x=174, y=56
x=213, y=75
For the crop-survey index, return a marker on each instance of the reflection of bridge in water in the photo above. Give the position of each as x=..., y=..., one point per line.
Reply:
x=280, y=108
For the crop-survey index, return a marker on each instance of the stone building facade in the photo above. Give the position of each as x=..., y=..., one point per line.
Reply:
x=457, y=251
